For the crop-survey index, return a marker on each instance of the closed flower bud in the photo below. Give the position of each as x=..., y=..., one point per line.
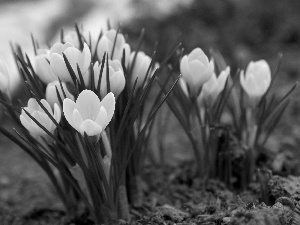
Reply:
x=36, y=111
x=140, y=67
x=42, y=66
x=113, y=46
x=214, y=86
x=116, y=77
x=74, y=56
x=88, y=114
x=4, y=77
x=256, y=80
x=196, y=69
x=51, y=94
x=49, y=65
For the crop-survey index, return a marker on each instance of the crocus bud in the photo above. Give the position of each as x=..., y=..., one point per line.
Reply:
x=88, y=114
x=140, y=67
x=214, y=86
x=42, y=66
x=49, y=65
x=36, y=111
x=51, y=94
x=256, y=80
x=113, y=45
x=196, y=69
x=4, y=77
x=116, y=77
x=74, y=56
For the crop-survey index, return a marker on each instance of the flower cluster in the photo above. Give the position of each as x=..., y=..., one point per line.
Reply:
x=86, y=121
x=84, y=104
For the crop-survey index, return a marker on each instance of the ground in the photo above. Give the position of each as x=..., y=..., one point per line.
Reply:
x=245, y=31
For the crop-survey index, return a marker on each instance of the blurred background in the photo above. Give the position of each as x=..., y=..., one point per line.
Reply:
x=242, y=30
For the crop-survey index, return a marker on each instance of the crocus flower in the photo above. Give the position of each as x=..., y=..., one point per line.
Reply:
x=140, y=67
x=214, y=86
x=51, y=94
x=72, y=37
x=36, y=111
x=256, y=80
x=51, y=65
x=116, y=77
x=42, y=66
x=106, y=44
x=88, y=114
x=196, y=69
x=4, y=77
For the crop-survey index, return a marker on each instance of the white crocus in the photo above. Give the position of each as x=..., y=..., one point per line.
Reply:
x=113, y=44
x=72, y=37
x=88, y=114
x=4, y=77
x=74, y=56
x=256, y=80
x=116, y=77
x=139, y=66
x=51, y=94
x=214, y=86
x=42, y=66
x=196, y=69
x=49, y=65
x=36, y=111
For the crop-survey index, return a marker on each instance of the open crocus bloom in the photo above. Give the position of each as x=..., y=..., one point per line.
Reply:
x=116, y=77
x=51, y=94
x=196, y=69
x=50, y=65
x=4, y=77
x=257, y=79
x=214, y=86
x=35, y=110
x=106, y=44
x=88, y=114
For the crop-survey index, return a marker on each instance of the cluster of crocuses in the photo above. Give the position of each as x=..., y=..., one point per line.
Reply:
x=87, y=126
x=85, y=117
x=218, y=114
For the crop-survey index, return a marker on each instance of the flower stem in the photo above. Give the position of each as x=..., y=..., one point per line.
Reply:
x=123, y=203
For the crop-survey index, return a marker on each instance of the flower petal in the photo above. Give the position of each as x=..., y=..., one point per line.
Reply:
x=68, y=108
x=59, y=48
x=86, y=58
x=57, y=113
x=43, y=69
x=46, y=105
x=32, y=103
x=59, y=67
x=185, y=71
x=25, y=122
x=90, y=128
x=77, y=119
x=109, y=104
x=199, y=55
x=102, y=117
x=88, y=104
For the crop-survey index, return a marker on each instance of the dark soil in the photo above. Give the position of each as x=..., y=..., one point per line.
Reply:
x=241, y=31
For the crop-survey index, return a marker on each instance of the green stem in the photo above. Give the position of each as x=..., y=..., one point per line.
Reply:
x=135, y=191
x=123, y=203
